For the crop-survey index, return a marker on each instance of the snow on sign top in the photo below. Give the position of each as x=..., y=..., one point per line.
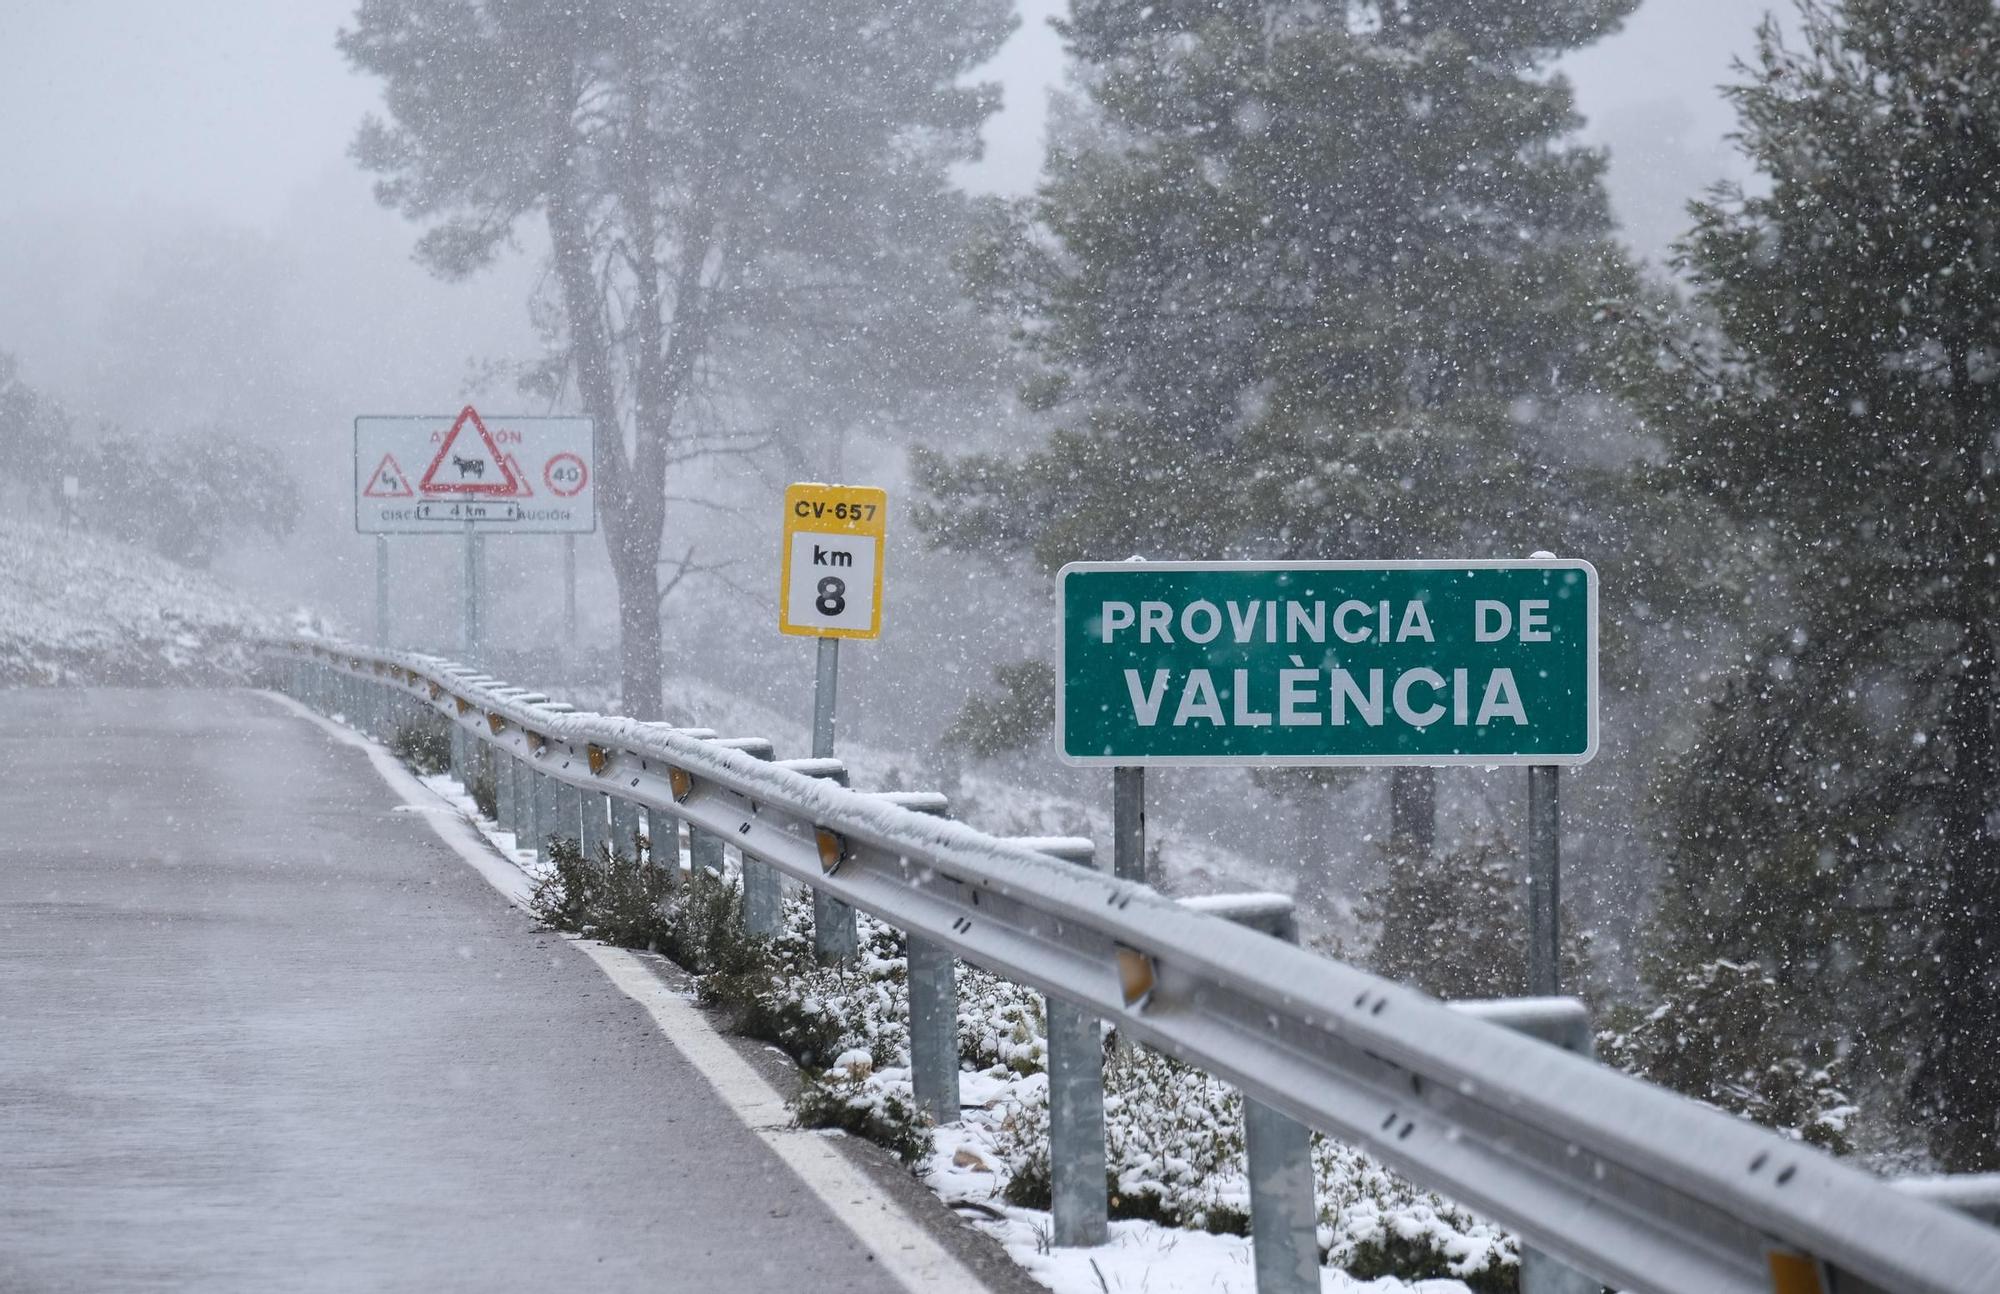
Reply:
x=430, y=474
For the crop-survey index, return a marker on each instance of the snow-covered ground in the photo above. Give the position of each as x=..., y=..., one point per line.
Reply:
x=1179, y=1146
x=76, y=608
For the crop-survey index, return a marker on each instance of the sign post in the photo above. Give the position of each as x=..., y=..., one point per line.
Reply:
x=569, y=595
x=444, y=473
x=471, y=643
x=830, y=587
x=381, y=590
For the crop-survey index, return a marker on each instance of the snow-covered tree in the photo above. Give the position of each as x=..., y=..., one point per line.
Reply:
x=1832, y=387
x=1305, y=280
x=716, y=184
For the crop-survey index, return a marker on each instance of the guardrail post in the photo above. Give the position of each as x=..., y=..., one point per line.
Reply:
x=1561, y=1022
x=933, y=984
x=704, y=848
x=525, y=822
x=1284, y=1215
x=933, y=1028
x=594, y=826
x=764, y=901
x=835, y=937
x=1080, y=1203
x=625, y=826
x=569, y=812
x=548, y=819
x=503, y=790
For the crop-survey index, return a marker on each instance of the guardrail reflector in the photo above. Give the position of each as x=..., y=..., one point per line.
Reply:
x=437, y=691
x=464, y=706
x=599, y=758
x=1795, y=1273
x=832, y=850
x=1136, y=975
x=495, y=722
x=682, y=782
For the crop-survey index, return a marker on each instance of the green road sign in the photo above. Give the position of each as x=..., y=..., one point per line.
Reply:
x=1469, y=662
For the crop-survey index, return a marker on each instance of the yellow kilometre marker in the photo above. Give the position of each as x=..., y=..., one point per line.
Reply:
x=830, y=584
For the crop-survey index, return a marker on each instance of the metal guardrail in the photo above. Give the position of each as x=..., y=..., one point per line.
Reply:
x=1642, y=1188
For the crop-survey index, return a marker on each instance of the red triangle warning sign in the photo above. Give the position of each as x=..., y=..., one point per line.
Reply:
x=527, y=486
x=471, y=464
x=388, y=482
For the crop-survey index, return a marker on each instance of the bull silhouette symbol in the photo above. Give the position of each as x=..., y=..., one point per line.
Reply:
x=469, y=467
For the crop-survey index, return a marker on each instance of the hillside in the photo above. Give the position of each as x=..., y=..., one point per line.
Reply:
x=77, y=608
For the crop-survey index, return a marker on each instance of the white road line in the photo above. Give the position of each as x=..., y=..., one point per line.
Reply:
x=903, y=1247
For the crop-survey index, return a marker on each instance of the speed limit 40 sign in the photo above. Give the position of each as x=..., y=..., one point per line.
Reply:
x=831, y=584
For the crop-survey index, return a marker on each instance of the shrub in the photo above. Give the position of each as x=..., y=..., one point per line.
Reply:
x=423, y=745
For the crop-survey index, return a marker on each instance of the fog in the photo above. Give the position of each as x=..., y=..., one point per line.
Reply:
x=185, y=240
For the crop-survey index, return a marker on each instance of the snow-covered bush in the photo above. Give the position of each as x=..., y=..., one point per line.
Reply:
x=1175, y=1152
x=1712, y=1035
x=1174, y=1135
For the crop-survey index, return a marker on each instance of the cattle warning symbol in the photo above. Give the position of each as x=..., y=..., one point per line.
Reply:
x=470, y=465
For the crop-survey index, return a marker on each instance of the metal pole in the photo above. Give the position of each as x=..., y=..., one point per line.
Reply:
x=826, y=682
x=469, y=608
x=381, y=590
x=1544, y=881
x=569, y=594
x=1128, y=823
x=834, y=935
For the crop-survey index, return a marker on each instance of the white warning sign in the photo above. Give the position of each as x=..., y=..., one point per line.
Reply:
x=418, y=474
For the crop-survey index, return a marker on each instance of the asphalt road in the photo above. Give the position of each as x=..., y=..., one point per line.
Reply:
x=260, y=1030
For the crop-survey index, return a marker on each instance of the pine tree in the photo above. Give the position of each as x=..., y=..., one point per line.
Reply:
x=1832, y=389
x=1307, y=281
x=723, y=190
x=1300, y=281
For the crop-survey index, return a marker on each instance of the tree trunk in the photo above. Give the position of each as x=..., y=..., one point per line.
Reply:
x=1964, y=1052
x=1412, y=811
x=640, y=664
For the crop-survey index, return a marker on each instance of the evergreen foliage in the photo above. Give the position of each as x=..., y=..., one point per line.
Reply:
x=1023, y=710
x=184, y=496
x=1298, y=285
x=1707, y=1036
x=1831, y=388
x=1451, y=924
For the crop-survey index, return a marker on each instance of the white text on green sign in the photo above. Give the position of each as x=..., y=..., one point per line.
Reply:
x=1469, y=662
